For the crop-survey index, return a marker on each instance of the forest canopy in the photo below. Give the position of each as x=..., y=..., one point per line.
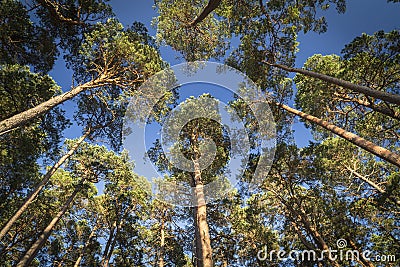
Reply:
x=72, y=73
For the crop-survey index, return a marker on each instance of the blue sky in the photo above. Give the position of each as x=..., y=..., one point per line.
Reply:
x=362, y=16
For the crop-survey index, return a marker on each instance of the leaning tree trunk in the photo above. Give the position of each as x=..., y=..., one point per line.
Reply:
x=391, y=98
x=379, y=151
x=364, y=261
x=378, y=108
x=112, y=247
x=315, y=234
x=33, y=250
x=203, y=243
x=112, y=239
x=211, y=6
x=40, y=186
x=23, y=117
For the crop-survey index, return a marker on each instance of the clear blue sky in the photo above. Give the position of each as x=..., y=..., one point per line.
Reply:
x=362, y=16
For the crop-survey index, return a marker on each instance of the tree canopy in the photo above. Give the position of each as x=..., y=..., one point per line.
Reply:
x=71, y=195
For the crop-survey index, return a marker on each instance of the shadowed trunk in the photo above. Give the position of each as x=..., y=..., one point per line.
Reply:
x=104, y=260
x=391, y=98
x=162, y=241
x=33, y=250
x=40, y=186
x=79, y=259
x=211, y=6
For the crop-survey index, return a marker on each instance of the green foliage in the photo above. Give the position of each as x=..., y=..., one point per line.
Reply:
x=122, y=56
x=21, y=148
x=122, y=59
x=68, y=20
x=372, y=61
x=191, y=139
x=22, y=42
x=200, y=42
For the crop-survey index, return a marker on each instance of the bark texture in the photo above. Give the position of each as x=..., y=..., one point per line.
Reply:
x=390, y=98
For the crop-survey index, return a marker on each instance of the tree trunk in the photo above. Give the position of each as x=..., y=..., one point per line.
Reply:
x=203, y=243
x=111, y=250
x=23, y=117
x=40, y=186
x=33, y=250
x=391, y=98
x=60, y=263
x=211, y=6
x=162, y=241
x=381, y=152
x=363, y=260
x=299, y=215
x=104, y=261
x=378, y=108
x=373, y=185
x=79, y=259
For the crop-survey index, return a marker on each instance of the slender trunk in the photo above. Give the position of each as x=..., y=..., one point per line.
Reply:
x=111, y=250
x=40, y=186
x=363, y=260
x=391, y=98
x=23, y=117
x=303, y=239
x=299, y=214
x=79, y=259
x=315, y=234
x=197, y=261
x=312, y=230
x=104, y=261
x=374, y=185
x=211, y=6
x=33, y=250
x=381, y=152
x=162, y=242
x=112, y=239
x=203, y=243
